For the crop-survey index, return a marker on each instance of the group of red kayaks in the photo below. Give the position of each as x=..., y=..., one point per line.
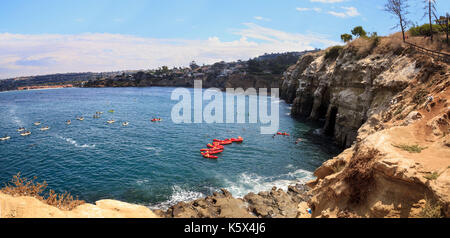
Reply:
x=217, y=147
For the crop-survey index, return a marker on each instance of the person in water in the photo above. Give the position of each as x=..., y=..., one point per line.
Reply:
x=298, y=140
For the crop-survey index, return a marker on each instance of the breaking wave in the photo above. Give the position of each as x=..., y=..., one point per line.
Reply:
x=73, y=142
x=178, y=195
x=249, y=182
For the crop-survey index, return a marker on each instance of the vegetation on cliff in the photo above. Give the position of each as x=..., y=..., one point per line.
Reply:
x=388, y=104
x=20, y=186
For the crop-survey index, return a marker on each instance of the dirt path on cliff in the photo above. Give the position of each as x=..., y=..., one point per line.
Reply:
x=434, y=157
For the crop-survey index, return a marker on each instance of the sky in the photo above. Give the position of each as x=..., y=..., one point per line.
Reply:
x=60, y=36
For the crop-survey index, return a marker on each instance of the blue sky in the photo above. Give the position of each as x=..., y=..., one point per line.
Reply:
x=56, y=36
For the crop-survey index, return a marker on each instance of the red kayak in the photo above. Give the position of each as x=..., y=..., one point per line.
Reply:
x=208, y=156
x=226, y=142
x=217, y=140
x=211, y=149
x=216, y=146
x=238, y=140
x=212, y=152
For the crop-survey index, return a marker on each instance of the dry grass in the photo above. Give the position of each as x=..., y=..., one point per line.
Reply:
x=364, y=46
x=392, y=43
x=438, y=43
x=432, y=176
x=431, y=210
x=359, y=176
x=420, y=96
x=361, y=47
x=338, y=166
x=410, y=148
x=19, y=186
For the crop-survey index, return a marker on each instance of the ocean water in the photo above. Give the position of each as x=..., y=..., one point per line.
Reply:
x=154, y=164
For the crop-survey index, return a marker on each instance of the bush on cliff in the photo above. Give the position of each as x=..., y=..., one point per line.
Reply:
x=19, y=186
x=424, y=30
x=333, y=52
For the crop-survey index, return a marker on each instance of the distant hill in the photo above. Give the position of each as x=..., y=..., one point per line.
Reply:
x=53, y=79
x=268, y=64
x=273, y=56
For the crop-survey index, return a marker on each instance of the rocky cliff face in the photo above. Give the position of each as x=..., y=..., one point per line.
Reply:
x=344, y=90
x=266, y=204
x=390, y=105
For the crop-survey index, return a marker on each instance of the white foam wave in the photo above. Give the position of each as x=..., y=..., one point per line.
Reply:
x=178, y=195
x=142, y=181
x=74, y=142
x=14, y=117
x=247, y=183
x=156, y=150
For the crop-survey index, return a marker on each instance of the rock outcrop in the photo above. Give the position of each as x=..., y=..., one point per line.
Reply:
x=389, y=105
x=30, y=207
x=268, y=204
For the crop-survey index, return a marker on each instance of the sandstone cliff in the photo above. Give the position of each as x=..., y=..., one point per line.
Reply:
x=391, y=106
x=30, y=207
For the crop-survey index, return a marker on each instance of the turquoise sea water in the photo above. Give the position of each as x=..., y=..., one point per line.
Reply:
x=154, y=164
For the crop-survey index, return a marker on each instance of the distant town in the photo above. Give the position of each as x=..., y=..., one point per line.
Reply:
x=265, y=67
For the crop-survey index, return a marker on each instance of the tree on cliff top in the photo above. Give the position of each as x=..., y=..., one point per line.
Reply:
x=399, y=8
x=430, y=10
x=346, y=37
x=359, y=32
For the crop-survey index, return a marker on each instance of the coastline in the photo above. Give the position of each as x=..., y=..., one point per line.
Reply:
x=397, y=138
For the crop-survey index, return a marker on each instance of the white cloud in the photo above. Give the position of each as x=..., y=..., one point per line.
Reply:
x=349, y=12
x=304, y=9
x=22, y=55
x=259, y=18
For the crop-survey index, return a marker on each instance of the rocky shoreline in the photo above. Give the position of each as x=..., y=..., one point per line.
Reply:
x=276, y=203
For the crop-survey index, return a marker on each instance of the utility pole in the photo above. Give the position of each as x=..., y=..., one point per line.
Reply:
x=447, y=20
x=431, y=24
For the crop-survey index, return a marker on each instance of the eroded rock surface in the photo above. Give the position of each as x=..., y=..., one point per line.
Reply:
x=391, y=111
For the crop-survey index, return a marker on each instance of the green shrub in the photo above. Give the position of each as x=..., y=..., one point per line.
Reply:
x=420, y=97
x=346, y=37
x=424, y=30
x=375, y=39
x=359, y=32
x=432, y=176
x=333, y=52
